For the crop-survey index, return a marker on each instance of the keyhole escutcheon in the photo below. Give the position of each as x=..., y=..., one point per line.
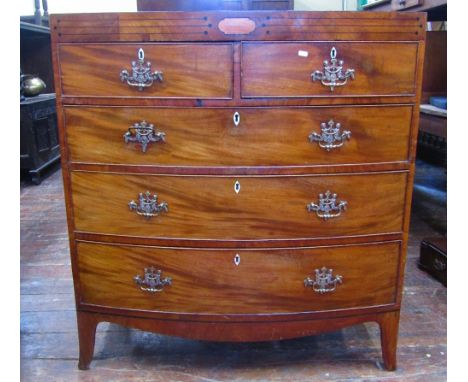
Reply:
x=236, y=119
x=237, y=187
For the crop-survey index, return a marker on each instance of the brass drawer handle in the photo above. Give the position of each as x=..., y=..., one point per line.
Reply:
x=147, y=205
x=141, y=76
x=152, y=281
x=327, y=206
x=331, y=137
x=332, y=74
x=324, y=281
x=144, y=133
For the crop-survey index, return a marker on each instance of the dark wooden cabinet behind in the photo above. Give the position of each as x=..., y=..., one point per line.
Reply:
x=214, y=5
x=38, y=131
x=39, y=138
x=249, y=179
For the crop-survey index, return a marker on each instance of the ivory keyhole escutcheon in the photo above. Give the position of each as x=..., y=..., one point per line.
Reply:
x=237, y=187
x=236, y=119
x=237, y=259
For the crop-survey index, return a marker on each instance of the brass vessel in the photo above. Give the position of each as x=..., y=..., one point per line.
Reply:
x=32, y=86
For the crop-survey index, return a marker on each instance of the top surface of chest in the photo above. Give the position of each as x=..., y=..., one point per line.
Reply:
x=238, y=26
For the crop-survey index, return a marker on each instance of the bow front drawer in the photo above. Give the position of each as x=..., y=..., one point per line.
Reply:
x=258, y=137
x=147, y=70
x=243, y=208
x=238, y=281
x=328, y=69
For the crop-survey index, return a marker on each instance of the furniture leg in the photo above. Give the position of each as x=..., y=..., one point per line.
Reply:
x=388, y=337
x=87, y=323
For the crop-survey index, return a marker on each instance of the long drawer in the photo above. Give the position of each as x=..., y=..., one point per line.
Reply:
x=243, y=208
x=188, y=70
x=259, y=137
x=238, y=282
x=360, y=69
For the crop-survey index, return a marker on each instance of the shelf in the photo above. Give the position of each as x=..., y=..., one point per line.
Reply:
x=34, y=28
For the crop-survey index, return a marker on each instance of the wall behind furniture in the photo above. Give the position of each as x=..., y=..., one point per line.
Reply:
x=26, y=7
x=324, y=5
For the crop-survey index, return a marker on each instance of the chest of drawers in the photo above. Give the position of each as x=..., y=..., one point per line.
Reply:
x=238, y=176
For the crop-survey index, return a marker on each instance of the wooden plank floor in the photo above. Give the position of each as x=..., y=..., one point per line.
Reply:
x=49, y=347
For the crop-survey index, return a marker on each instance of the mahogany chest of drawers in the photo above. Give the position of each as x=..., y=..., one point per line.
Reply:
x=238, y=176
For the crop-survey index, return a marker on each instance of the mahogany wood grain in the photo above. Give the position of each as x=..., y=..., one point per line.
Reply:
x=240, y=332
x=234, y=244
x=277, y=69
x=142, y=101
x=389, y=337
x=265, y=207
x=264, y=136
x=50, y=340
x=270, y=26
x=189, y=70
x=245, y=318
x=86, y=337
x=386, y=49
x=241, y=170
x=264, y=281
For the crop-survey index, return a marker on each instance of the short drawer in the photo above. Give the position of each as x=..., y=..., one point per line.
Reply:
x=241, y=208
x=358, y=69
x=259, y=137
x=188, y=70
x=238, y=281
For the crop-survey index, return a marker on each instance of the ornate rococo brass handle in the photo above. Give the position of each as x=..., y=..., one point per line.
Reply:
x=332, y=74
x=148, y=205
x=144, y=133
x=324, y=281
x=152, y=281
x=327, y=206
x=142, y=76
x=331, y=137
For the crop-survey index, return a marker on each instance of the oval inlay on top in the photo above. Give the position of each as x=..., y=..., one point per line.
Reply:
x=236, y=25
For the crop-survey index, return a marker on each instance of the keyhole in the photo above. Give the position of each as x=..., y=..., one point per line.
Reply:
x=237, y=259
x=333, y=53
x=237, y=186
x=141, y=54
x=236, y=119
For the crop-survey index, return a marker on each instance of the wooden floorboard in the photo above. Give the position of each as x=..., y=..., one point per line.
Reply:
x=49, y=345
